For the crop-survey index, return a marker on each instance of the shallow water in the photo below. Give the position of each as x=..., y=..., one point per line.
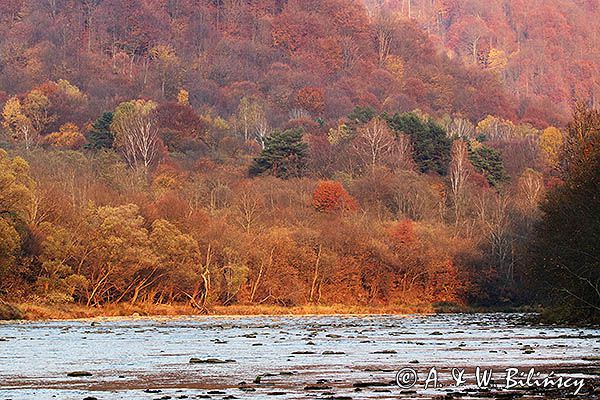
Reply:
x=150, y=358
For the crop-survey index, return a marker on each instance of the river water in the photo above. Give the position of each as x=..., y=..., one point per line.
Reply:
x=320, y=357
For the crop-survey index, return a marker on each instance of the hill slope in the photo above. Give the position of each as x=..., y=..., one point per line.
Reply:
x=115, y=50
x=543, y=50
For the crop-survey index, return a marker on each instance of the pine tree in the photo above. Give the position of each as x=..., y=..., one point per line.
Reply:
x=361, y=115
x=488, y=161
x=430, y=143
x=101, y=137
x=284, y=155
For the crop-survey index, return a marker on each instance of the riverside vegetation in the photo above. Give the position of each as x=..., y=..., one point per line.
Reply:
x=176, y=157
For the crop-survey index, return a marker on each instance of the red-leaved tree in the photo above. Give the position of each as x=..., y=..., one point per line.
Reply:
x=331, y=196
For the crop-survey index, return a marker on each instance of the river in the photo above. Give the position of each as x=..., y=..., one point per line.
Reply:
x=321, y=357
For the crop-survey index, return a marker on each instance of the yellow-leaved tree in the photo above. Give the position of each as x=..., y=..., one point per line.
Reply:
x=36, y=106
x=168, y=67
x=17, y=123
x=497, y=60
x=16, y=187
x=551, y=143
x=183, y=97
x=179, y=262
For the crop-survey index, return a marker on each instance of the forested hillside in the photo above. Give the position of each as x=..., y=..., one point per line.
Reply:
x=544, y=51
x=276, y=152
x=299, y=58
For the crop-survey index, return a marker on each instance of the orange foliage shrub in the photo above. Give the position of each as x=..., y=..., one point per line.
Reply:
x=68, y=137
x=403, y=233
x=444, y=282
x=331, y=196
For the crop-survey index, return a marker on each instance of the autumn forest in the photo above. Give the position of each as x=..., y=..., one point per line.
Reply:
x=402, y=154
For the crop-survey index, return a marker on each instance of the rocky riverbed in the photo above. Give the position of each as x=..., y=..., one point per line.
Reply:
x=320, y=357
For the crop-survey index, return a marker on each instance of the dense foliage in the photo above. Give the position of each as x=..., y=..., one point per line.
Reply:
x=292, y=58
x=431, y=145
x=284, y=155
x=277, y=152
x=567, y=264
x=212, y=218
x=542, y=50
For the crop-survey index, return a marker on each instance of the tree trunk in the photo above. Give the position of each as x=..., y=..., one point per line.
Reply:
x=315, y=276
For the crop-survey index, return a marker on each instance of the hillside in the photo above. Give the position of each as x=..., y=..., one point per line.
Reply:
x=543, y=51
x=288, y=153
x=221, y=51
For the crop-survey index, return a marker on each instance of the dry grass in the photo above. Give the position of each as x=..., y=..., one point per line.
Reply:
x=35, y=312
x=336, y=309
x=73, y=311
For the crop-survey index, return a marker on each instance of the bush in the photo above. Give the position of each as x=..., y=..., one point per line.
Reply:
x=9, y=312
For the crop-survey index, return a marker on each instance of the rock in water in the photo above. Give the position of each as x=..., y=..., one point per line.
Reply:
x=76, y=374
x=210, y=361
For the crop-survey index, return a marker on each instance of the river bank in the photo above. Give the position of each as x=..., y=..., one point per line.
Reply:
x=38, y=312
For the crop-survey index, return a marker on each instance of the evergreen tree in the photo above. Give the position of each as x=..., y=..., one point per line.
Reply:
x=361, y=115
x=284, y=155
x=430, y=143
x=488, y=161
x=101, y=137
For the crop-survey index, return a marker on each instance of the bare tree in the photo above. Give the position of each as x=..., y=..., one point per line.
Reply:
x=461, y=128
x=261, y=128
x=402, y=153
x=136, y=133
x=531, y=187
x=251, y=120
x=374, y=142
x=384, y=29
x=460, y=171
x=248, y=206
x=493, y=210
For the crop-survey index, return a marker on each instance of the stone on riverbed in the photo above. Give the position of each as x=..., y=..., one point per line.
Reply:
x=317, y=387
x=77, y=374
x=210, y=361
